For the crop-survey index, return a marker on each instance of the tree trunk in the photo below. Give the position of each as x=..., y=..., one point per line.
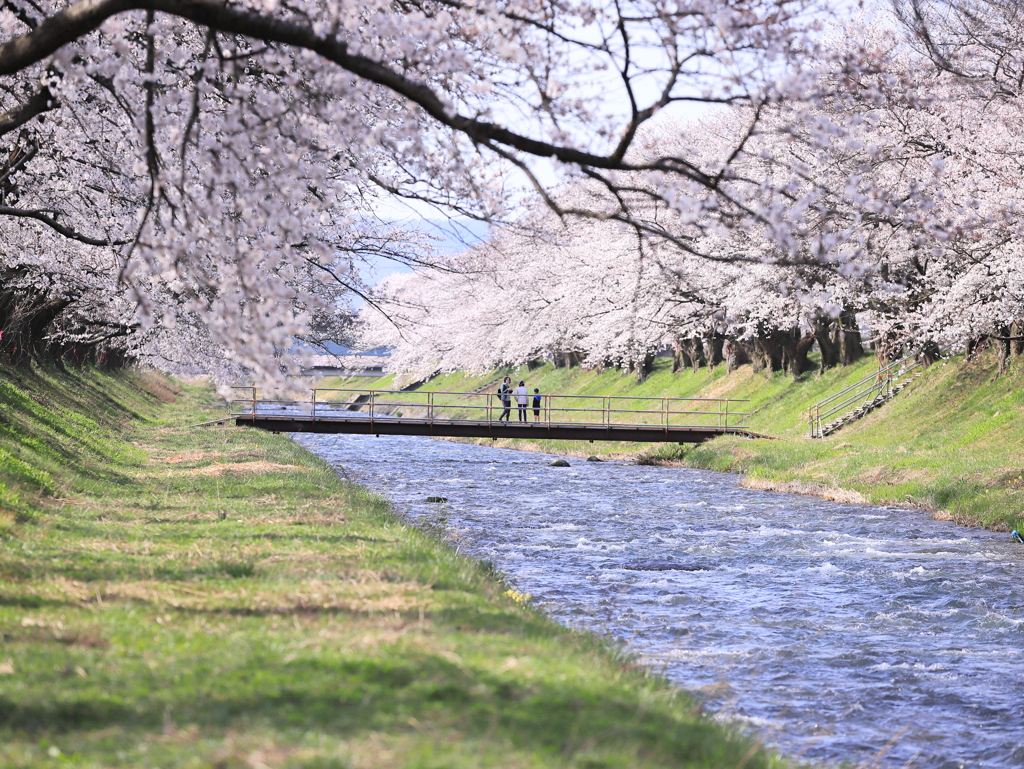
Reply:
x=889, y=347
x=1017, y=345
x=713, y=343
x=1003, y=348
x=974, y=346
x=930, y=353
x=799, y=363
x=696, y=352
x=821, y=330
x=736, y=355
x=848, y=339
x=770, y=353
x=681, y=357
x=794, y=350
x=645, y=367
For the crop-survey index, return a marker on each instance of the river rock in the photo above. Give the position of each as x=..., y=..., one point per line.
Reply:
x=559, y=463
x=594, y=459
x=667, y=566
x=440, y=500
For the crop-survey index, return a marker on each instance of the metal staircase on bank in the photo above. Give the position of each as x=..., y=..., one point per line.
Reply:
x=862, y=397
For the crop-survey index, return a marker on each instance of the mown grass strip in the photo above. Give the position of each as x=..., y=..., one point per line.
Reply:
x=219, y=597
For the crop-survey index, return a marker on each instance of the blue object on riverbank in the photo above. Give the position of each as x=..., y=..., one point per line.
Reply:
x=1016, y=535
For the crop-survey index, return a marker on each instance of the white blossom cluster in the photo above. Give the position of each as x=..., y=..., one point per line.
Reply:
x=889, y=203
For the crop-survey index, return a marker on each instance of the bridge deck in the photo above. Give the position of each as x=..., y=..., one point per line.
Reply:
x=478, y=415
x=482, y=429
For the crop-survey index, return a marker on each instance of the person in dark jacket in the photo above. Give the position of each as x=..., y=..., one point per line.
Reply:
x=505, y=396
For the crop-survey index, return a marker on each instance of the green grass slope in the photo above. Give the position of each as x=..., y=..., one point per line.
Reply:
x=953, y=442
x=60, y=431
x=219, y=597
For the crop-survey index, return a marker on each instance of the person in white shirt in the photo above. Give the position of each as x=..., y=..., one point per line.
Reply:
x=522, y=400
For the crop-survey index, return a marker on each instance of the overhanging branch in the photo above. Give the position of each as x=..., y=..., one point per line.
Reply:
x=85, y=16
x=68, y=232
x=41, y=101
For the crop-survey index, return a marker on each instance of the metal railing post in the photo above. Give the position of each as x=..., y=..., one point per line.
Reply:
x=727, y=413
x=372, y=393
x=254, y=404
x=313, y=409
x=430, y=407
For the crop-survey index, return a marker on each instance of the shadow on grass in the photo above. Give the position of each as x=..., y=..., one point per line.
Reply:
x=87, y=567
x=347, y=697
x=31, y=602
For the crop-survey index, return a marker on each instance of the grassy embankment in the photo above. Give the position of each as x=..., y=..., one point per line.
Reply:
x=952, y=443
x=217, y=597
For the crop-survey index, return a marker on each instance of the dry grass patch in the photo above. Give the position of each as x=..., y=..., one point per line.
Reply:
x=368, y=598
x=830, y=493
x=880, y=474
x=36, y=631
x=159, y=386
x=241, y=468
x=193, y=455
x=964, y=519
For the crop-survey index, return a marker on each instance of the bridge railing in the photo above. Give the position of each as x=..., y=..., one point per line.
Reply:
x=442, y=406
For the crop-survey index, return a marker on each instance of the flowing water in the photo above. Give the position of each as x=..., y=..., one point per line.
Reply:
x=833, y=630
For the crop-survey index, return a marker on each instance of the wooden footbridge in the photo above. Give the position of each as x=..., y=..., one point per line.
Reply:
x=482, y=415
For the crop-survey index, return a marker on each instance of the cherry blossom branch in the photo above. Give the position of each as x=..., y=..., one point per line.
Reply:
x=41, y=101
x=86, y=16
x=46, y=218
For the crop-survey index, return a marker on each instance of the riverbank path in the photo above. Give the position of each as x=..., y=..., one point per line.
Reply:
x=482, y=415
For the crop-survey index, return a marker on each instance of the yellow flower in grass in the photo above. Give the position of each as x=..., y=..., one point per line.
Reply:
x=515, y=595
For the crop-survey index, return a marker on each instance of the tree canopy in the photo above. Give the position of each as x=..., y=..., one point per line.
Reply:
x=180, y=179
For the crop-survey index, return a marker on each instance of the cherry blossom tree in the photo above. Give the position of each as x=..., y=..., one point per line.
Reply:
x=908, y=172
x=222, y=153
x=214, y=168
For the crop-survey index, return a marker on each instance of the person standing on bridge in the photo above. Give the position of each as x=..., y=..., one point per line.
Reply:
x=522, y=400
x=536, y=405
x=505, y=396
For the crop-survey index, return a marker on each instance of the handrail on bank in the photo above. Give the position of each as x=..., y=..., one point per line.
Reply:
x=864, y=390
x=442, y=406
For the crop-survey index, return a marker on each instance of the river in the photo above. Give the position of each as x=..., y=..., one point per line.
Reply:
x=836, y=632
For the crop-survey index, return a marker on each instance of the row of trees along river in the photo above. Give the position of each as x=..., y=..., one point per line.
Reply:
x=202, y=185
